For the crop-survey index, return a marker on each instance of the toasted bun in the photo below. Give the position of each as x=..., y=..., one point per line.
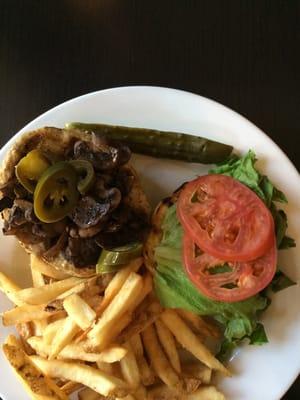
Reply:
x=156, y=232
x=58, y=141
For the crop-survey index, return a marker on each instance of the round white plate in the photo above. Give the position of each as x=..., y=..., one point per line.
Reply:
x=260, y=373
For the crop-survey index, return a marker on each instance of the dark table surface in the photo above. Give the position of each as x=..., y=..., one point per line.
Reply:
x=243, y=53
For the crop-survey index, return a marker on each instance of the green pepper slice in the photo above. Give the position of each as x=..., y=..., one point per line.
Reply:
x=115, y=259
x=30, y=168
x=87, y=174
x=56, y=193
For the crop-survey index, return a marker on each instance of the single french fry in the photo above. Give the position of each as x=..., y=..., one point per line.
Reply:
x=93, y=378
x=117, y=282
x=63, y=337
x=147, y=375
x=109, y=334
x=74, y=351
x=26, y=313
x=46, y=293
x=78, y=289
x=129, y=367
x=89, y=394
x=37, y=384
x=158, y=359
x=39, y=326
x=105, y=367
x=190, y=341
x=70, y=387
x=37, y=278
x=206, y=393
x=199, y=324
x=167, y=341
x=119, y=306
x=198, y=371
x=51, y=330
x=43, y=267
x=79, y=311
x=147, y=288
x=10, y=288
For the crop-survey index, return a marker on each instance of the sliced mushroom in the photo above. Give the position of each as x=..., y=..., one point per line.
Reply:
x=89, y=213
x=82, y=252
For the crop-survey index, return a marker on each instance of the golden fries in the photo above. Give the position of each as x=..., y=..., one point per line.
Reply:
x=158, y=359
x=190, y=341
x=168, y=343
x=206, y=393
x=37, y=384
x=46, y=293
x=147, y=375
x=37, y=278
x=199, y=324
x=51, y=330
x=25, y=313
x=63, y=337
x=79, y=311
x=70, y=387
x=89, y=394
x=129, y=368
x=93, y=378
x=123, y=301
x=10, y=288
x=198, y=371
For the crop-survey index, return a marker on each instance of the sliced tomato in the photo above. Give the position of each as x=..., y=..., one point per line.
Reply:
x=225, y=280
x=225, y=218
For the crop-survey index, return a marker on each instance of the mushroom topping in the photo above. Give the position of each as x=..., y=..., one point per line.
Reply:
x=82, y=252
x=89, y=213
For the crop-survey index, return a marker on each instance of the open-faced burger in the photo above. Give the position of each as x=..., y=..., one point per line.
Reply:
x=68, y=194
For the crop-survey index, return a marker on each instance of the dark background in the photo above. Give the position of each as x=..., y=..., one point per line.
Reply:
x=244, y=54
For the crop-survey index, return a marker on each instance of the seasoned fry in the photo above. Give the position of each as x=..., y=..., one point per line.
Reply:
x=63, y=337
x=75, y=352
x=89, y=394
x=79, y=311
x=91, y=377
x=206, y=393
x=147, y=288
x=10, y=288
x=118, y=307
x=37, y=384
x=70, y=387
x=198, y=371
x=158, y=359
x=25, y=313
x=129, y=367
x=43, y=267
x=51, y=330
x=147, y=375
x=46, y=293
x=190, y=341
x=168, y=343
x=117, y=282
x=199, y=324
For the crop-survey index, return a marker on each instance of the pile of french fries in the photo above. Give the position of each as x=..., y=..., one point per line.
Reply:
x=106, y=337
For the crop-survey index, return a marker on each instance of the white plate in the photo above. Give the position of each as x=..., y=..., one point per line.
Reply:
x=260, y=373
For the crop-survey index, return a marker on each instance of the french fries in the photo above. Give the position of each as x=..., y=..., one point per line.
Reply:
x=190, y=341
x=74, y=351
x=46, y=293
x=123, y=345
x=100, y=334
x=158, y=359
x=91, y=377
x=26, y=313
x=81, y=313
x=147, y=375
x=168, y=343
x=37, y=384
x=63, y=337
x=10, y=288
x=129, y=368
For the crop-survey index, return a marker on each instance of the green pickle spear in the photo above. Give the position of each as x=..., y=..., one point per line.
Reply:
x=161, y=144
x=115, y=259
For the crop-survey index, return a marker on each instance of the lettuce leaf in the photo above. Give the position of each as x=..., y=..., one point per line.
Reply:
x=175, y=290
